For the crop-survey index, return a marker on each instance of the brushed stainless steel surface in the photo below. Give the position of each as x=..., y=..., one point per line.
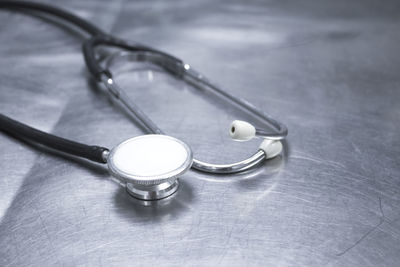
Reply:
x=328, y=69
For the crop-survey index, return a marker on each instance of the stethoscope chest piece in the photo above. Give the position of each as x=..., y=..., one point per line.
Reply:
x=150, y=165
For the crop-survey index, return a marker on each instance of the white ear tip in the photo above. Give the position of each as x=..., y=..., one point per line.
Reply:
x=271, y=148
x=242, y=131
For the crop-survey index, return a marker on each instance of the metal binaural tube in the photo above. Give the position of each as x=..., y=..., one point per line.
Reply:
x=124, y=99
x=196, y=79
x=188, y=74
x=240, y=166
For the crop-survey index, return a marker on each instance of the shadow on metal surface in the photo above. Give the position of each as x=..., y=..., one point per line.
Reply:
x=172, y=206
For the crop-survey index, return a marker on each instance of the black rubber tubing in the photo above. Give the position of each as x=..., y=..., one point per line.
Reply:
x=54, y=11
x=97, y=70
x=20, y=130
x=98, y=36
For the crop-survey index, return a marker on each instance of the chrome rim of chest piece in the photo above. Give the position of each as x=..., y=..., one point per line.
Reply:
x=150, y=165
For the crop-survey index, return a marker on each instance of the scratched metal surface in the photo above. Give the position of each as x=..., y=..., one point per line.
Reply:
x=328, y=69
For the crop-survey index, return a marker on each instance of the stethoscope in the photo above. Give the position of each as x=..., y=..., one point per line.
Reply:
x=149, y=165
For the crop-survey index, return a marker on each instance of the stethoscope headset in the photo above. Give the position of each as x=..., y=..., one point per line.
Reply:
x=149, y=165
